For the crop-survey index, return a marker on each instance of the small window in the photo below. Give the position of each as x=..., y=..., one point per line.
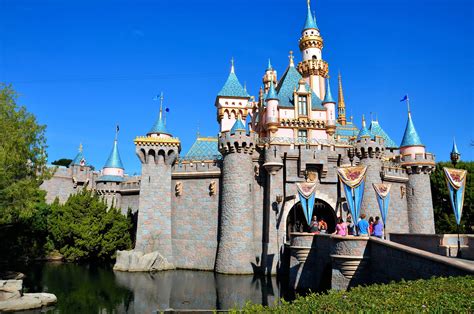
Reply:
x=315, y=58
x=302, y=106
x=302, y=136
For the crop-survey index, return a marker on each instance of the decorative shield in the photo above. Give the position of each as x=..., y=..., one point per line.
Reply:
x=353, y=181
x=456, y=181
x=306, y=194
x=382, y=191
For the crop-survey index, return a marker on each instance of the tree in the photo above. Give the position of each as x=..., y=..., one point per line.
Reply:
x=86, y=229
x=443, y=212
x=62, y=162
x=22, y=159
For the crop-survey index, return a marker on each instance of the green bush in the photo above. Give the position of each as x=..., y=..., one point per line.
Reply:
x=454, y=294
x=85, y=229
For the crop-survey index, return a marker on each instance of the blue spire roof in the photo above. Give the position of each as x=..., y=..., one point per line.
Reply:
x=232, y=87
x=204, y=148
x=310, y=20
x=328, y=97
x=114, y=160
x=272, y=94
x=455, y=147
x=376, y=130
x=269, y=67
x=364, y=132
x=238, y=126
x=79, y=160
x=160, y=124
x=410, y=138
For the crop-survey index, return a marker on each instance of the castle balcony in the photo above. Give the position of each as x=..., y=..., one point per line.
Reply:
x=130, y=187
x=314, y=67
x=393, y=173
x=303, y=123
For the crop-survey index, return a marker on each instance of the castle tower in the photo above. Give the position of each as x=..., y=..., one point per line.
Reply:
x=112, y=174
x=80, y=171
x=272, y=116
x=341, y=105
x=370, y=153
x=236, y=251
x=419, y=166
x=313, y=68
x=232, y=102
x=157, y=151
x=330, y=106
x=270, y=76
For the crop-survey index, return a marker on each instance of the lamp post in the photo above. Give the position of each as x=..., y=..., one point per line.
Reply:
x=455, y=157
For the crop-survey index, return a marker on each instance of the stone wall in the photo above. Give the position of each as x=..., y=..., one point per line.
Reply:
x=420, y=203
x=58, y=186
x=129, y=201
x=194, y=223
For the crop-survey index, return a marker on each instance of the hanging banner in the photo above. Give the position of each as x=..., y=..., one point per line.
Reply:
x=382, y=192
x=456, y=181
x=353, y=181
x=306, y=194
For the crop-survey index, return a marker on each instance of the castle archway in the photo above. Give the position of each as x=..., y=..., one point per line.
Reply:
x=296, y=221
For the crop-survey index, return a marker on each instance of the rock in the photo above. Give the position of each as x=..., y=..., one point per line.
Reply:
x=136, y=261
x=23, y=303
x=11, y=275
x=45, y=298
x=10, y=289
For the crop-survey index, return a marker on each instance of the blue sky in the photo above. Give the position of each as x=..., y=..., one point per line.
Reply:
x=83, y=66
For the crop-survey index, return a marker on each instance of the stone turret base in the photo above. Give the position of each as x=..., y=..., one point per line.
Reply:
x=136, y=261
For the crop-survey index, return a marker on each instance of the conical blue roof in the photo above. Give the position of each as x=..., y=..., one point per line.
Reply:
x=159, y=126
x=328, y=97
x=114, y=160
x=232, y=87
x=376, y=130
x=455, y=148
x=269, y=67
x=410, y=138
x=310, y=20
x=272, y=94
x=79, y=160
x=364, y=132
x=238, y=126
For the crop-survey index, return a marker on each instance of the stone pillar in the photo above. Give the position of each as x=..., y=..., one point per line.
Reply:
x=370, y=154
x=419, y=201
x=154, y=213
x=236, y=252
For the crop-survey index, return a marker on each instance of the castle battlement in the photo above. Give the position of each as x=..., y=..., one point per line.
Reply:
x=240, y=141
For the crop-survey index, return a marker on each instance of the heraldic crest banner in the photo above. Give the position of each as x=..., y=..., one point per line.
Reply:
x=382, y=192
x=306, y=194
x=353, y=181
x=456, y=181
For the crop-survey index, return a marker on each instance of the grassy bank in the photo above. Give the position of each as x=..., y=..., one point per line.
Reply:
x=454, y=294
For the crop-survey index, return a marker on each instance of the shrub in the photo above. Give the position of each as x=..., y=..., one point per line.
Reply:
x=453, y=294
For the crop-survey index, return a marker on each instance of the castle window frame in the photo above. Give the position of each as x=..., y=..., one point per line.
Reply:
x=302, y=105
x=302, y=136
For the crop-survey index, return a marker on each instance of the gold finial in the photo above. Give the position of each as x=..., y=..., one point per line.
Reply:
x=363, y=120
x=232, y=70
x=80, y=148
x=292, y=62
x=309, y=3
x=341, y=106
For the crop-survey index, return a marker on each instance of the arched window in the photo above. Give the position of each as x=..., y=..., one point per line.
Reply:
x=315, y=58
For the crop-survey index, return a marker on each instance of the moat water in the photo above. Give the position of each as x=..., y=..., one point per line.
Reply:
x=93, y=289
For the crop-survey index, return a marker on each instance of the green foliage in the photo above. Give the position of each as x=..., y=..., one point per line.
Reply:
x=22, y=159
x=454, y=294
x=65, y=162
x=444, y=216
x=85, y=229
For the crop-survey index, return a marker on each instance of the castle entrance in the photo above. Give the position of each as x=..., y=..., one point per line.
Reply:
x=296, y=221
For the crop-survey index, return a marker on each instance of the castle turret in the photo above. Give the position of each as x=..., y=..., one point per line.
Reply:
x=370, y=153
x=236, y=251
x=272, y=110
x=81, y=171
x=313, y=68
x=330, y=106
x=232, y=102
x=112, y=174
x=157, y=152
x=270, y=76
x=419, y=166
x=341, y=105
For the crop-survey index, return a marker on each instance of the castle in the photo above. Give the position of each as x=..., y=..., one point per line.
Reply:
x=231, y=201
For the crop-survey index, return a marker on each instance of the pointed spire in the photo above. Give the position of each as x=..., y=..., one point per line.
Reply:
x=328, y=97
x=232, y=86
x=160, y=124
x=238, y=126
x=269, y=67
x=364, y=132
x=79, y=160
x=292, y=59
x=272, y=94
x=410, y=137
x=341, y=106
x=455, y=147
x=114, y=160
x=310, y=21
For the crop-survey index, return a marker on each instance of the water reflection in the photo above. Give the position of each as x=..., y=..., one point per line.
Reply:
x=87, y=289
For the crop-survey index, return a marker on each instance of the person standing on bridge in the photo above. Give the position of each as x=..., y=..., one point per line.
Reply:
x=378, y=228
x=363, y=226
x=341, y=227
